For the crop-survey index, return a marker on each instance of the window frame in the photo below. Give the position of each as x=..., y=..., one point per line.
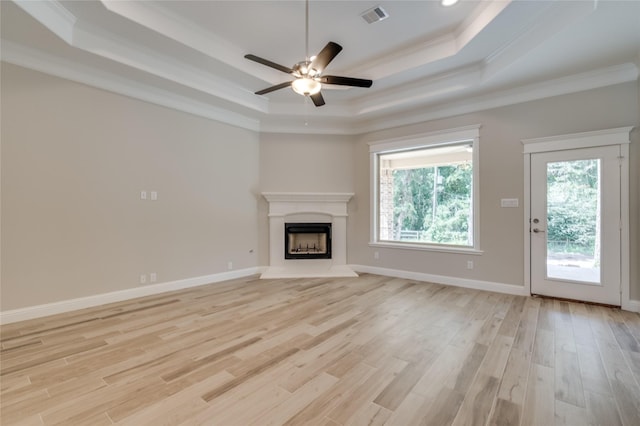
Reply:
x=470, y=134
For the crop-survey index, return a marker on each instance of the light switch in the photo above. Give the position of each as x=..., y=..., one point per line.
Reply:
x=154, y=195
x=143, y=195
x=509, y=202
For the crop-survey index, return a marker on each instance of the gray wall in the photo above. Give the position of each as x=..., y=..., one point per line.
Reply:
x=302, y=163
x=74, y=160
x=501, y=176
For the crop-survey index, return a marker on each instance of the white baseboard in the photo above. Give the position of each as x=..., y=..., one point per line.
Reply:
x=442, y=279
x=39, y=311
x=631, y=305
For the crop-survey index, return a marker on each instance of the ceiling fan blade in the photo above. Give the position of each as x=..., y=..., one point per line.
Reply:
x=269, y=63
x=317, y=99
x=325, y=56
x=345, y=81
x=273, y=88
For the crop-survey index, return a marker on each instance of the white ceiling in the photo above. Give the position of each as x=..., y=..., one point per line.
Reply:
x=426, y=61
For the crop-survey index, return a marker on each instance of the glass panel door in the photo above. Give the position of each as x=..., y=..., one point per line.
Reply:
x=573, y=220
x=575, y=224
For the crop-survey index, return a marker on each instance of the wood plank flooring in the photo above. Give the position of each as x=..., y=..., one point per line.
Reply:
x=346, y=351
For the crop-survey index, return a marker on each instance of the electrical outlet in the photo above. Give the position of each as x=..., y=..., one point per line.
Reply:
x=469, y=264
x=154, y=195
x=153, y=277
x=229, y=265
x=143, y=278
x=376, y=255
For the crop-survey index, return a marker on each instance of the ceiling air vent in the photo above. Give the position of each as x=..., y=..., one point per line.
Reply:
x=374, y=15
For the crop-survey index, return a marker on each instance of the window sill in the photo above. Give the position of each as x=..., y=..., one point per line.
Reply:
x=425, y=247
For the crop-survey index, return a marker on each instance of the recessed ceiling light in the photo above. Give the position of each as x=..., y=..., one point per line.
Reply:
x=448, y=2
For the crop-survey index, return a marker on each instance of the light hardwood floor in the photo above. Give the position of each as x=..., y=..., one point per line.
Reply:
x=367, y=350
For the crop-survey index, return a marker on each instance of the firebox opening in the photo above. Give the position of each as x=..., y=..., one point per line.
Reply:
x=307, y=240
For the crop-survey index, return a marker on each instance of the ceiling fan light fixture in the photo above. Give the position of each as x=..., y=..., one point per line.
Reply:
x=448, y=2
x=306, y=86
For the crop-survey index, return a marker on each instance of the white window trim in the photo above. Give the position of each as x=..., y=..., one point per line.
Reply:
x=425, y=140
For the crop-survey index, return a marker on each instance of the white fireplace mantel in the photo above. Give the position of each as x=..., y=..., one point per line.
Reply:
x=308, y=197
x=328, y=207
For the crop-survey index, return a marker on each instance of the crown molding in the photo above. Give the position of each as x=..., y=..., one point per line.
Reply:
x=155, y=17
x=304, y=126
x=122, y=51
x=43, y=62
x=609, y=76
x=82, y=35
x=290, y=118
x=555, y=18
x=161, y=20
x=426, y=93
x=431, y=50
x=52, y=15
x=478, y=21
x=427, y=90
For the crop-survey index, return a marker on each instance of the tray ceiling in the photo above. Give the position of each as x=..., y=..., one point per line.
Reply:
x=427, y=61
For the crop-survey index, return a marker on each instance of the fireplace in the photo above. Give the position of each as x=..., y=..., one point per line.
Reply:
x=307, y=240
x=307, y=235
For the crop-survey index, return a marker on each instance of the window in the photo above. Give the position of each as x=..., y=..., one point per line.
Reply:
x=424, y=191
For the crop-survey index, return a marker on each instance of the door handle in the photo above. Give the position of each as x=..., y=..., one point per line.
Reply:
x=536, y=230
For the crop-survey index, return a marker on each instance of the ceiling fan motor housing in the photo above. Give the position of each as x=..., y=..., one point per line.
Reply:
x=304, y=69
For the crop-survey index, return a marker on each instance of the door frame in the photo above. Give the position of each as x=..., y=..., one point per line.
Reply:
x=619, y=136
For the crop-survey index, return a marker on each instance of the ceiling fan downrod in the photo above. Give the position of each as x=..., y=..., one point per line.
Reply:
x=306, y=36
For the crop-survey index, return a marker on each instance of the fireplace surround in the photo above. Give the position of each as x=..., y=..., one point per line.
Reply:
x=311, y=210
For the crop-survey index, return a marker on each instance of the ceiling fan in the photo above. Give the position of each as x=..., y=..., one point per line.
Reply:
x=308, y=73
